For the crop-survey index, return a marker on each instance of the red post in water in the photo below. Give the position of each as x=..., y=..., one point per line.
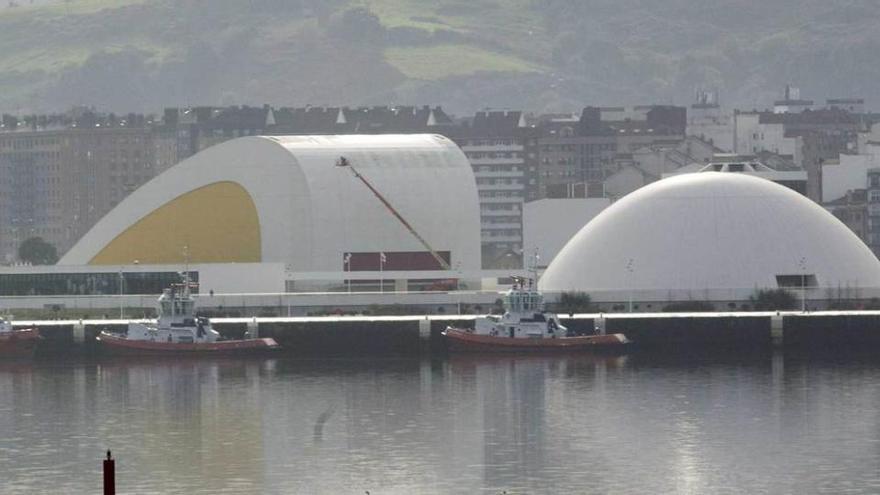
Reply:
x=109, y=475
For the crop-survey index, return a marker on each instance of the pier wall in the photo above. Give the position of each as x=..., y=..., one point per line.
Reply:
x=846, y=330
x=419, y=334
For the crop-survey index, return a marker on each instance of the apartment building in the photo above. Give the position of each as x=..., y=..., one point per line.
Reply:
x=577, y=154
x=499, y=146
x=60, y=174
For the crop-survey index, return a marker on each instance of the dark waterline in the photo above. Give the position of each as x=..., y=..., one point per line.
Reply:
x=557, y=424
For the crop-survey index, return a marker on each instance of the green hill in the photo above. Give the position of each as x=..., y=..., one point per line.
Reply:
x=537, y=54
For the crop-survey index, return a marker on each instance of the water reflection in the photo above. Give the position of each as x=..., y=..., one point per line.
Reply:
x=170, y=424
x=529, y=424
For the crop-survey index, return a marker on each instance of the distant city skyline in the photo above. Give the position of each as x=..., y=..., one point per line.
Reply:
x=66, y=170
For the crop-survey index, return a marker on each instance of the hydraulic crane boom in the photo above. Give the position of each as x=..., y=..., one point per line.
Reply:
x=343, y=162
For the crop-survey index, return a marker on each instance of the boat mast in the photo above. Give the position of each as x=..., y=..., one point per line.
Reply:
x=177, y=300
x=533, y=269
x=343, y=162
x=185, y=270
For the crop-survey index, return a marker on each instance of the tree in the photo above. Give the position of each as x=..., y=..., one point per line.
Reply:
x=772, y=300
x=36, y=251
x=575, y=302
x=358, y=25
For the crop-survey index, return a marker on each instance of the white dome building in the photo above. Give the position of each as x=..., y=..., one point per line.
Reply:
x=711, y=236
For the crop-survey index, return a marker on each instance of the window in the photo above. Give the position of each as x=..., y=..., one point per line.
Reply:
x=88, y=283
x=797, y=281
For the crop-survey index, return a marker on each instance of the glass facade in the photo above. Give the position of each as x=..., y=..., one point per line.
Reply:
x=89, y=284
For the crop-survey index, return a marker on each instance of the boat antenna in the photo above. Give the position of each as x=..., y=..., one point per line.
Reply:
x=185, y=270
x=533, y=269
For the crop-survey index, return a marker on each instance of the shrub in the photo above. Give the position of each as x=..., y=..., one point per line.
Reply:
x=773, y=300
x=575, y=302
x=688, y=306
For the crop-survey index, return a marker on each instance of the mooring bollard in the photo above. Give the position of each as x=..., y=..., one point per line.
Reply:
x=425, y=329
x=109, y=475
x=79, y=332
x=253, y=329
x=777, y=329
x=599, y=325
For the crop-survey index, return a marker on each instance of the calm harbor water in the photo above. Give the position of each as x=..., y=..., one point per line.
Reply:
x=475, y=424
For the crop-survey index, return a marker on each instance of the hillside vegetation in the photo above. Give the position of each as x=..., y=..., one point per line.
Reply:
x=542, y=55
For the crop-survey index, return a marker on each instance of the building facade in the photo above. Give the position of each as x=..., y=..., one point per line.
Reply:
x=809, y=138
x=633, y=170
x=872, y=193
x=315, y=217
x=577, y=155
x=495, y=144
x=60, y=174
x=852, y=210
x=711, y=123
x=32, y=192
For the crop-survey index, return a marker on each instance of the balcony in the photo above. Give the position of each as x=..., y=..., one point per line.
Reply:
x=492, y=148
x=507, y=174
x=485, y=239
x=486, y=227
x=500, y=187
x=495, y=161
x=501, y=200
x=501, y=213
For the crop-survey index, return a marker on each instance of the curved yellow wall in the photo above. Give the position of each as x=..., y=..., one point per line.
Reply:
x=217, y=223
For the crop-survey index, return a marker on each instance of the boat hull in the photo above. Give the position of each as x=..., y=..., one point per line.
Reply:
x=116, y=345
x=463, y=340
x=20, y=344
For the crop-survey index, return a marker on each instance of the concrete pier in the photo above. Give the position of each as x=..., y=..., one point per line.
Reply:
x=417, y=334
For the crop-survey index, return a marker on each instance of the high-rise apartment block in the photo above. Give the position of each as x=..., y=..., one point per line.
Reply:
x=60, y=174
x=500, y=148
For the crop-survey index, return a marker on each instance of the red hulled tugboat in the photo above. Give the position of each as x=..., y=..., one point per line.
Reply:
x=525, y=326
x=21, y=343
x=178, y=331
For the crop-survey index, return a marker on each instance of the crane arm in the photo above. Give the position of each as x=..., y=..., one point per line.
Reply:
x=343, y=162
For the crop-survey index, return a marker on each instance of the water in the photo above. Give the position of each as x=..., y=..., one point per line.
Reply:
x=632, y=424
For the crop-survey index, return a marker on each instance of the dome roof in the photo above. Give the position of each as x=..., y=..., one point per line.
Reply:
x=712, y=230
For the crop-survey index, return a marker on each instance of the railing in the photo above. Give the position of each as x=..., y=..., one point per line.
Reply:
x=300, y=303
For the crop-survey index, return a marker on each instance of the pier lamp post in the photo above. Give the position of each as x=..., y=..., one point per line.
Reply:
x=121, y=294
x=458, y=285
x=802, y=263
x=288, y=281
x=629, y=270
x=347, y=262
x=382, y=260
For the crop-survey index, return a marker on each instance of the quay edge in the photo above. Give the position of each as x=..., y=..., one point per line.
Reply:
x=419, y=334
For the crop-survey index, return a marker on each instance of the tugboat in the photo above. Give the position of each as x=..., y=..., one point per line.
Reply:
x=178, y=331
x=525, y=326
x=20, y=343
